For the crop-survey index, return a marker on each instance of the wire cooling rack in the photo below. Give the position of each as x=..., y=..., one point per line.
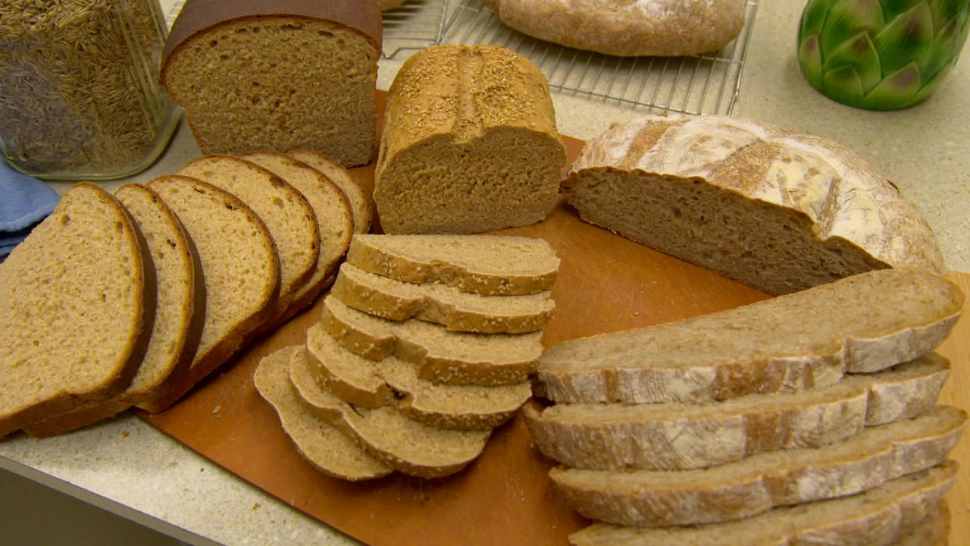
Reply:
x=698, y=84
x=414, y=25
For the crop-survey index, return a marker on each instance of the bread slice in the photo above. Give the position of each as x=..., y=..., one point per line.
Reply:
x=177, y=323
x=286, y=212
x=758, y=483
x=880, y=517
x=441, y=304
x=325, y=447
x=394, y=382
x=404, y=444
x=441, y=356
x=686, y=436
x=483, y=264
x=82, y=266
x=240, y=267
x=361, y=204
x=800, y=341
x=934, y=530
x=331, y=212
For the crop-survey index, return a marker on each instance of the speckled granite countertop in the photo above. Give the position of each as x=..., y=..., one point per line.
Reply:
x=131, y=468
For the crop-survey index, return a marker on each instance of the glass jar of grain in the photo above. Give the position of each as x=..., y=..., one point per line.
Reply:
x=79, y=92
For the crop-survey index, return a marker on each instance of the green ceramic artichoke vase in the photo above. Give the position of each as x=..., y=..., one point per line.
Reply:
x=880, y=54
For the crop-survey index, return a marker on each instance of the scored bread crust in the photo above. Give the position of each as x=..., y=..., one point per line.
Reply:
x=395, y=300
x=361, y=204
x=468, y=263
x=406, y=445
x=762, y=482
x=684, y=436
x=53, y=267
x=609, y=368
x=442, y=356
x=879, y=517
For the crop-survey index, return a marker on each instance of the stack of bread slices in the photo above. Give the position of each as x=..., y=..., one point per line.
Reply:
x=131, y=299
x=425, y=345
x=807, y=418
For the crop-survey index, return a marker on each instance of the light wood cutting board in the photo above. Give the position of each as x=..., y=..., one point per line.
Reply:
x=606, y=283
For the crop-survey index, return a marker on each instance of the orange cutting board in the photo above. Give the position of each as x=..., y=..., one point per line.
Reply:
x=606, y=283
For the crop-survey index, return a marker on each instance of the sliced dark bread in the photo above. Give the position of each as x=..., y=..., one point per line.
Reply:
x=863, y=323
x=361, y=204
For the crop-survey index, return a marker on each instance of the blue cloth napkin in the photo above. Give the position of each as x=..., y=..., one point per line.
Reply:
x=24, y=202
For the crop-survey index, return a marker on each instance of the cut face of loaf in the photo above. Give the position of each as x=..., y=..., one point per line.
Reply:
x=771, y=208
x=799, y=341
x=441, y=356
x=404, y=444
x=72, y=310
x=482, y=264
x=395, y=383
x=880, y=517
x=433, y=302
x=686, y=436
x=758, y=483
x=361, y=204
x=288, y=216
x=469, y=144
x=277, y=76
x=240, y=267
x=325, y=447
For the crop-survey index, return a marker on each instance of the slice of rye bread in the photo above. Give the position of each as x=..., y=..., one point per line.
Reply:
x=482, y=264
x=240, y=267
x=361, y=204
x=687, y=436
x=321, y=444
x=179, y=314
x=286, y=213
x=75, y=309
x=441, y=356
x=863, y=323
x=331, y=210
x=880, y=517
x=441, y=304
x=394, y=382
x=404, y=444
x=761, y=482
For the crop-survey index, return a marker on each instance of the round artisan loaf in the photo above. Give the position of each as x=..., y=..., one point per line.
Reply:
x=771, y=208
x=627, y=28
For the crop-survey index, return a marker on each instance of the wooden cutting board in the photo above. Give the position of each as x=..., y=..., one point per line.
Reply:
x=606, y=283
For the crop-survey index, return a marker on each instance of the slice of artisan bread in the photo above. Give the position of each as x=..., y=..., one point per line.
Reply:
x=800, y=341
x=361, y=204
x=73, y=305
x=286, y=212
x=332, y=214
x=177, y=323
x=406, y=445
x=394, y=382
x=441, y=304
x=240, y=267
x=880, y=517
x=758, y=483
x=483, y=264
x=686, y=436
x=441, y=356
x=325, y=447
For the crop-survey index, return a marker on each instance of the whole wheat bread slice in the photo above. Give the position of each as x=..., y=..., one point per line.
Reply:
x=394, y=382
x=758, y=483
x=863, y=323
x=402, y=443
x=361, y=204
x=441, y=304
x=320, y=443
x=686, y=436
x=83, y=265
x=240, y=267
x=880, y=517
x=441, y=355
x=482, y=264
